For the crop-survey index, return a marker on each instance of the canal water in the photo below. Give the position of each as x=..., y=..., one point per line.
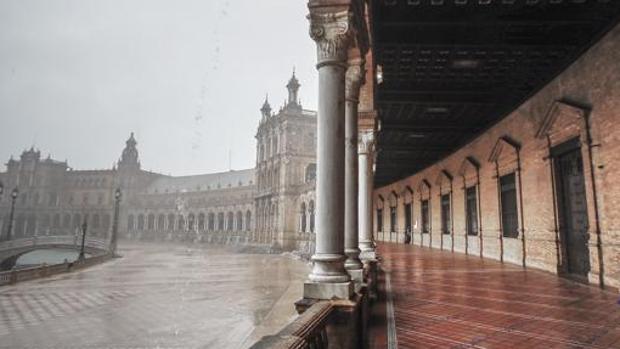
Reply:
x=47, y=256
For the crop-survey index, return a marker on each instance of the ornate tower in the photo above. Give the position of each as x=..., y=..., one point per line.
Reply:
x=293, y=90
x=129, y=157
x=266, y=108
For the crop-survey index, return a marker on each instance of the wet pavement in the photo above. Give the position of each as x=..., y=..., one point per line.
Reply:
x=450, y=300
x=156, y=296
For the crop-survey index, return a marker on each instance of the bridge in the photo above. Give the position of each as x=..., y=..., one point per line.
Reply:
x=11, y=250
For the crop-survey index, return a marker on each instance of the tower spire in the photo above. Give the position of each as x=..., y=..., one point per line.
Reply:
x=293, y=89
x=266, y=108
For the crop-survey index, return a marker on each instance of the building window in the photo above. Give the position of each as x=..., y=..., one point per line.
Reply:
x=426, y=224
x=379, y=219
x=393, y=219
x=446, y=221
x=310, y=173
x=150, y=223
x=248, y=220
x=311, y=212
x=471, y=211
x=302, y=217
x=408, y=210
x=508, y=194
x=141, y=222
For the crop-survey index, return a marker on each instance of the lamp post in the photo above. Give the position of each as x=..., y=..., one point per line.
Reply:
x=14, y=194
x=117, y=201
x=84, y=226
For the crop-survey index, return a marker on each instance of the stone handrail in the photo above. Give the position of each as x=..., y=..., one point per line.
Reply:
x=305, y=332
x=14, y=276
x=53, y=240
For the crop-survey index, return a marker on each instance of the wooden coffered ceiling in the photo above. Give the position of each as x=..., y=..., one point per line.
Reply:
x=453, y=68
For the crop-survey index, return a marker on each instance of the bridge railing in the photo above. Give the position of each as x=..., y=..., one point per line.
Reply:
x=66, y=240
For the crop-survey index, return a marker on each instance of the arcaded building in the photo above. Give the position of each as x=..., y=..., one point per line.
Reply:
x=271, y=204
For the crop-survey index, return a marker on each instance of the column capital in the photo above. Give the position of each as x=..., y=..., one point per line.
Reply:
x=354, y=79
x=333, y=34
x=366, y=142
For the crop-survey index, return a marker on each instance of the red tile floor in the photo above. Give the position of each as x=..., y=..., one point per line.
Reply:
x=450, y=300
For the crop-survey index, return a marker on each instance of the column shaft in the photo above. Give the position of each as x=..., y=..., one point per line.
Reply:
x=366, y=179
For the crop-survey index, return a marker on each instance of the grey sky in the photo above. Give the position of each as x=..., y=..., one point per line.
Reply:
x=76, y=77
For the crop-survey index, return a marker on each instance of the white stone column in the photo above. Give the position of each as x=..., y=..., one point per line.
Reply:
x=353, y=81
x=366, y=179
x=328, y=278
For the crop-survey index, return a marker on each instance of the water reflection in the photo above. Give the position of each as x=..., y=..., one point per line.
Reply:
x=47, y=256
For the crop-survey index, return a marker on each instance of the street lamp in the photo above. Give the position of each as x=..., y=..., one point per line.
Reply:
x=14, y=195
x=84, y=226
x=117, y=201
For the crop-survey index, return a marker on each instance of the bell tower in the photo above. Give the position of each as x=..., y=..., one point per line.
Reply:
x=129, y=157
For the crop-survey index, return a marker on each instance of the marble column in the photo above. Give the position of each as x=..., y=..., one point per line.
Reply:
x=366, y=179
x=353, y=81
x=329, y=279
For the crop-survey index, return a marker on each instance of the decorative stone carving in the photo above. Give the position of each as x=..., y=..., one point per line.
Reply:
x=333, y=35
x=366, y=142
x=354, y=79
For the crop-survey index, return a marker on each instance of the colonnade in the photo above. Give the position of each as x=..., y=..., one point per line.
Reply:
x=344, y=189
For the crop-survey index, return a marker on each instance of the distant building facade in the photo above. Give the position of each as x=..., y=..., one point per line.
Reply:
x=272, y=203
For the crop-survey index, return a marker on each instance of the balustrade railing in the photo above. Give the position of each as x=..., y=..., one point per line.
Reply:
x=308, y=331
x=72, y=240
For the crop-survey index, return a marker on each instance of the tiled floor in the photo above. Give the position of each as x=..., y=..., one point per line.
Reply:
x=156, y=296
x=449, y=300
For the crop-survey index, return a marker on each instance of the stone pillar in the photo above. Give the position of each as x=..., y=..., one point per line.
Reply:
x=366, y=179
x=328, y=278
x=353, y=81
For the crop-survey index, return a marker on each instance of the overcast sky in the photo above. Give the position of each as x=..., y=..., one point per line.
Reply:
x=188, y=77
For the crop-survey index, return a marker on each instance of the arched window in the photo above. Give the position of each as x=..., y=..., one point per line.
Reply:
x=181, y=223
x=96, y=221
x=201, y=221
x=311, y=211
x=310, y=173
x=170, y=222
x=150, y=222
x=140, y=222
x=248, y=220
x=275, y=145
x=229, y=224
x=239, y=226
x=161, y=222
x=191, y=222
x=302, y=217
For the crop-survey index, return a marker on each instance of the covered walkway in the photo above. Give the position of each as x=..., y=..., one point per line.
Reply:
x=450, y=300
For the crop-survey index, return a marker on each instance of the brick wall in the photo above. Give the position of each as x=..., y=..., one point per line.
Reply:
x=588, y=90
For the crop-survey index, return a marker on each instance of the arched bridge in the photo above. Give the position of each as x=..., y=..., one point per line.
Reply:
x=10, y=251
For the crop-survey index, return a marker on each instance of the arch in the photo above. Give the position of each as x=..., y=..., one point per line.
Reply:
x=248, y=220
x=239, y=225
x=180, y=222
x=311, y=212
x=131, y=224
x=191, y=222
x=77, y=220
x=161, y=222
x=106, y=221
x=302, y=217
x=31, y=225
x=220, y=221
x=150, y=222
x=45, y=221
x=140, y=222
x=170, y=222
x=56, y=221
x=96, y=221
x=201, y=221
x=230, y=221
x=211, y=221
